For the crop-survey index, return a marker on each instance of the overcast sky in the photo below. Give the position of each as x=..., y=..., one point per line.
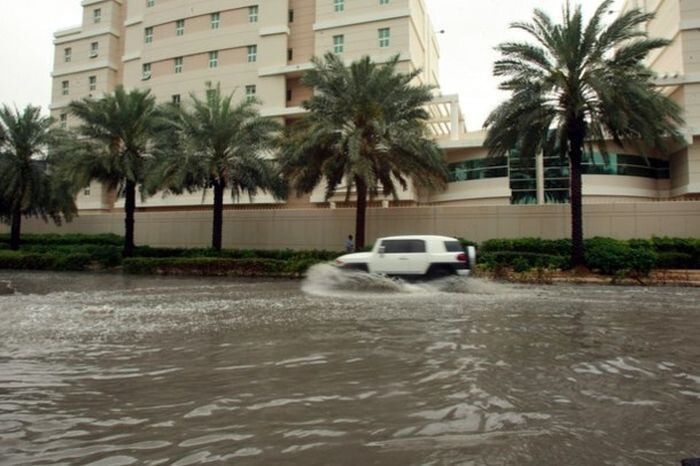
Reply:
x=472, y=29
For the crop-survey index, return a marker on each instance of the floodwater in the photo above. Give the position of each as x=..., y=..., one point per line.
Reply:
x=110, y=370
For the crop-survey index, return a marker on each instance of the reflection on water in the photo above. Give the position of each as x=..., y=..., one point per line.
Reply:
x=109, y=370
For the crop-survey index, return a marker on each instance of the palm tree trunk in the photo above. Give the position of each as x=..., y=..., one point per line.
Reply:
x=576, y=137
x=360, y=213
x=15, y=229
x=218, y=225
x=129, y=209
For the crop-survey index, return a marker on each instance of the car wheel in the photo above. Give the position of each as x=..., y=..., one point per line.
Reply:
x=439, y=271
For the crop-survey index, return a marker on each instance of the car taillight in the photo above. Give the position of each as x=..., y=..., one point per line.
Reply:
x=338, y=262
x=462, y=257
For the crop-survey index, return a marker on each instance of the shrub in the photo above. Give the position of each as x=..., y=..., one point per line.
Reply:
x=555, y=247
x=26, y=261
x=275, y=254
x=522, y=261
x=466, y=242
x=105, y=255
x=72, y=262
x=299, y=265
x=674, y=260
x=690, y=246
x=610, y=256
x=641, y=261
x=206, y=266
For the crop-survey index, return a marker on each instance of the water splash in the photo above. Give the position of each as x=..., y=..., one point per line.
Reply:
x=327, y=280
x=6, y=287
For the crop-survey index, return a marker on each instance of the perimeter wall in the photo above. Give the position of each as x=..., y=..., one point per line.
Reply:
x=328, y=228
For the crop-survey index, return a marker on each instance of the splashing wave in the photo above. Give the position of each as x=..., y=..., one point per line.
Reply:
x=327, y=280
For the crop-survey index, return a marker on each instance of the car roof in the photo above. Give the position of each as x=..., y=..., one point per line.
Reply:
x=421, y=237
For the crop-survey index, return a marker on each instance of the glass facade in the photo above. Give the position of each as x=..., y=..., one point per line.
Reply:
x=523, y=179
x=491, y=167
x=522, y=172
x=626, y=165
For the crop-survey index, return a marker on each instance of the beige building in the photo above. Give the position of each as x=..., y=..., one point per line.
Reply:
x=262, y=47
x=678, y=70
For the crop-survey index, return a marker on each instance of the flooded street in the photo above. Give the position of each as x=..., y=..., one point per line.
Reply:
x=113, y=370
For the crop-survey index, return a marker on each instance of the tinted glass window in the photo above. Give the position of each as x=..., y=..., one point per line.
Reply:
x=453, y=246
x=396, y=246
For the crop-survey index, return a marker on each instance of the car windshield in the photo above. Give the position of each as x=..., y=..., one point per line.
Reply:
x=453, y=246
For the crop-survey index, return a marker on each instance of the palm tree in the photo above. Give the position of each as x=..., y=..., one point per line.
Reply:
x=28, y=188
x=114, y=141
x=217, y=144
x=366, y=128
x=575, y=86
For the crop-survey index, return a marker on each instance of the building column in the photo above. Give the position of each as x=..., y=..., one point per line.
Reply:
x=454, y=123
x=539, y=174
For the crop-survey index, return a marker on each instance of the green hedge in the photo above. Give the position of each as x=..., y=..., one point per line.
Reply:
x=606, y=255
x=522, y=261
x=557, y=247
x=36, y=261
x=104, y=255
x=610, y=256
x=208, y=266
x=276, y=254
x=675, y=260
x=78, y=252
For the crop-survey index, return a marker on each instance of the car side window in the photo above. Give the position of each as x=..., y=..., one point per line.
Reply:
x=453, y=246
x=403, y=246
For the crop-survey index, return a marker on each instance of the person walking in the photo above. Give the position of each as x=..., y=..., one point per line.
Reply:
x=349, y=244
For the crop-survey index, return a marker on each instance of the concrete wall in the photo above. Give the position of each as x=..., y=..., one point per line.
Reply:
x=327, y=228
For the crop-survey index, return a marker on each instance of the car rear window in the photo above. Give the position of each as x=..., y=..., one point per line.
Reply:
x=453, y=246
x=397, y=246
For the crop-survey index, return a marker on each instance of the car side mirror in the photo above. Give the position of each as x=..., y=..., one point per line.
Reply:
x=382, y=250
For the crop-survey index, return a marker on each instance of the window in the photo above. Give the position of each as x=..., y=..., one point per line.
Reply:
x=384, y=37
x=453, y=246
x=253, y=14
x=250, y=92
x=94, y=49
x=338, y=44
x=93, y=83
x=63, y=118
x=252, y=53
x=86, y=191
x=403, y=246
x=146, y=71
x=383, y=2
x=176, y=100
x=290, y=54
x=478, y=169
x=65, y=88
x=215, y=20
x=180, y=27
x=67, y=54
x=289, y=95
x=339, y=5
x=178, y=65
x=97, y=15
x=213, y=59
x=148, y=35
x=290, y=16
x=150, y=3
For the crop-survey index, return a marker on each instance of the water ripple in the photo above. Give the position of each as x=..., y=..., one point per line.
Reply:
x=110, y=370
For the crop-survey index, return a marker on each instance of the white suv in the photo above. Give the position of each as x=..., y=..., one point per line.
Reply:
x=413, y=256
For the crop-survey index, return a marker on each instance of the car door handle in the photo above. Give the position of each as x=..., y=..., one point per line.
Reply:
x=403, y=258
